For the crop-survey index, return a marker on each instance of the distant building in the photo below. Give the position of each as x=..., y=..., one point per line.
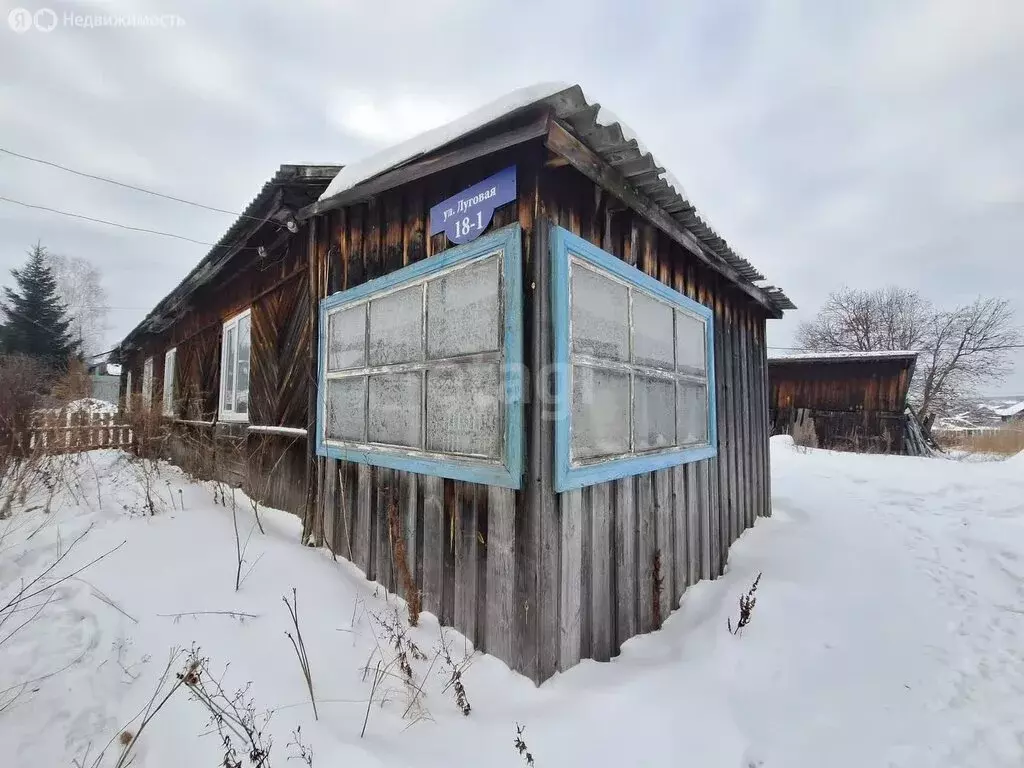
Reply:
x=1013, y=412
x=855, y=401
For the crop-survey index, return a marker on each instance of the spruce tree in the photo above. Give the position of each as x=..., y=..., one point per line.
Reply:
x=36, y=320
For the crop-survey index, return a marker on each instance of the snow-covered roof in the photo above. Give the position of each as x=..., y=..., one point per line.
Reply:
x=840, y=356
x=599, y=129
x=1011, y=410
x=426, y=142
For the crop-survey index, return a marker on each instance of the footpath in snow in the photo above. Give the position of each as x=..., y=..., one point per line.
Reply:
x=888, y=631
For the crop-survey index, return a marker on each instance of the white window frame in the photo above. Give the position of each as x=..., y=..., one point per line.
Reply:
x=223, y=413
x=147, y=383
x=170, y=368
x=128, y=393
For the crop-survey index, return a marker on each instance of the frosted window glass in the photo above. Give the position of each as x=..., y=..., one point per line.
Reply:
x=600, y=412
x=690, y=352
x=346, y=408
x=463, y=311
x=600, y=315
x=228, y=370
x=396, y=327
x=395, y=409
x=464, y=409
x=654, y=413
x=692, y=413
x=346, y=339
x=242, y=376
x=652, y=332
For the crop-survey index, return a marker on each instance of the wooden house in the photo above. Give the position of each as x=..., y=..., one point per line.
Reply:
x=853, y=401
x=510, y=345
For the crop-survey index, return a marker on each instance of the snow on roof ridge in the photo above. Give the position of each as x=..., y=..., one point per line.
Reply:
x=420, y=144
x=841, y=355
x=1011, y=410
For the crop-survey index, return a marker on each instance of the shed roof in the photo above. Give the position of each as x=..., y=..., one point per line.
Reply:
x=841, y=357
x=601, y=131
x=1011, y=410
x=269, y=205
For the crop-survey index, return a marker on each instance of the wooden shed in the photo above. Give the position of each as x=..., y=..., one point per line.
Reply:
x=853, y=401
x=527, y=358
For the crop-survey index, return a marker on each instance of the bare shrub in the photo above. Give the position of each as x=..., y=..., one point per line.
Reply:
x=747, y=603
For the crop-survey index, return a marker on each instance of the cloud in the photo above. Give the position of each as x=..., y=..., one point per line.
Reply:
x=866, y=144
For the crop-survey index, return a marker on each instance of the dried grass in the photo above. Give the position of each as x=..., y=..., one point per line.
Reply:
x=1003, y=441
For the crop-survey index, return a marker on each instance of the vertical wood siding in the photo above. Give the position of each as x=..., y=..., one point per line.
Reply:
x=540, y=579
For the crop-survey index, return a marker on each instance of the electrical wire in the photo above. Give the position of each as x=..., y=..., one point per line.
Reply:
x=125, y=185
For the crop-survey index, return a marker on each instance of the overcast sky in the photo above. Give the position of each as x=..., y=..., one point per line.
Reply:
x=831, y=143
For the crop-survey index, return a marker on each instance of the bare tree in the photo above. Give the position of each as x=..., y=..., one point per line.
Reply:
x=81, y=290
x=960, y=349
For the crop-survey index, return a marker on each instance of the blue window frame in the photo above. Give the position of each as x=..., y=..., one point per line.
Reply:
x=421, y=369
x=634, y=373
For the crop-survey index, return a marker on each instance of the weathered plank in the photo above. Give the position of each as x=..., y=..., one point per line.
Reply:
x=330, y=505
x=361, y=535
x=433, y=543
x=749, y=440
x=647, y=544
x=570, y=601
x=406, y=501
x=721, y=464
x=710, y=497
x=500, y=572
x=680, y=535
x=694, y=573
x=466, y=562
x=625, y=560
x=383, y=558
x=666, y=547
x=602, y=634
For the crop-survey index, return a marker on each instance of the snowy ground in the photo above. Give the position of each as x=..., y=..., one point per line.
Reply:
x=888, y=631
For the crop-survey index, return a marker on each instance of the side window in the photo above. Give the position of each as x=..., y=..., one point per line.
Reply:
x=420, y=369
x=169, y=393
x=234, y=369
x=147, y=383
x=634, y=372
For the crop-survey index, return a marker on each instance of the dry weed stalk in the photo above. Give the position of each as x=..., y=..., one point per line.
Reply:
x=455, y=677
x=747, y=603
x=300, y=647
x=520, y=745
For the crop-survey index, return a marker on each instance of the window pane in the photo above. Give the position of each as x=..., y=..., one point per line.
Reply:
x=228, y=371
x=242, y=373
x=600, y=412
x=346, y=339
x=346, y=409
x=654, y=413
x=690, y=343
x=463, y=311
x=692, y=413
x=396, y=327
x=652, y=332
x=600, y=323
x=395, y=409
x=169, y=382
x=464, y=409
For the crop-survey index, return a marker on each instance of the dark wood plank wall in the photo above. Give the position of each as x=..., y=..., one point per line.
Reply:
x=850, y=405
x=537, y=579
x=271, y=468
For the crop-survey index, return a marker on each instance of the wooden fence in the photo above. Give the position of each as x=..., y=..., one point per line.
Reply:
x=70, y=432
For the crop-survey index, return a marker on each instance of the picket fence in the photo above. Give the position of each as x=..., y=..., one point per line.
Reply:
x=73, y=431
